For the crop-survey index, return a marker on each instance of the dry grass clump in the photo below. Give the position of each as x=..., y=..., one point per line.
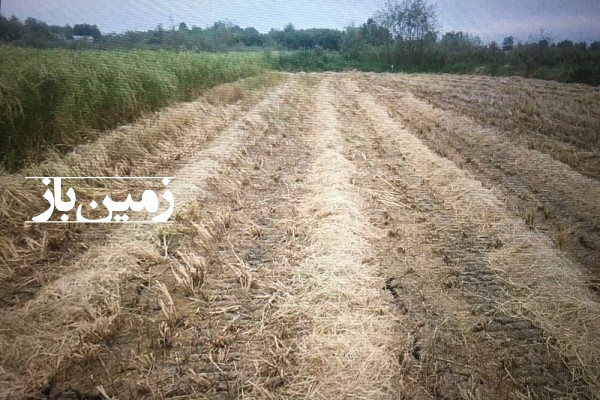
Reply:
x=562, y=236
x=226, y=95
x=190, y=273
x=72, y=316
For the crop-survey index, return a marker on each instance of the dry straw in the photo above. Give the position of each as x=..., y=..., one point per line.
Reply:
x=542, y=285
x=343, y=325
x=79, y=305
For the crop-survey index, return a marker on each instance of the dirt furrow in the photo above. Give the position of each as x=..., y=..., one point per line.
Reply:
x=239, y=232
x=485, y=300
x=32, y=256
x=322, y=249
x=443, y=356
x=252, y=267
x=71, y=321
x=561, y=120
x=341, y=327
x=548, y=194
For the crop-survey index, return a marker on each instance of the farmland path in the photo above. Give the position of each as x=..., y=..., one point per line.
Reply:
x=323, y=249
x=342, y=325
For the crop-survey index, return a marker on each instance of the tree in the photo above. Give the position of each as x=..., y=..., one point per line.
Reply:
x=250, y=37
x=565, y=45
x=10, y=29
x=327, y=39
x=36, y=33
x=458, y=41
x=157, y=35
x=408, y=20
x=289, y=28
x=223, y=34
x=508, y=44
x=87, y=30
x=373, y=33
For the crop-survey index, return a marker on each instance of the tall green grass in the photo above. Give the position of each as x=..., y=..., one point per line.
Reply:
x=319, y=60
x=375, y=60
x=61, y=98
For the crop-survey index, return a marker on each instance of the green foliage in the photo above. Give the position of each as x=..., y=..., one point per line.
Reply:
x=87, y=30
x=374, y=34
x=10, y=29
x=528, y=61
x=459, y=42
x=319, y=60
x=508, y=43
x=408, y=20
x=292, y=39
x=304, y=60
x=62, y=97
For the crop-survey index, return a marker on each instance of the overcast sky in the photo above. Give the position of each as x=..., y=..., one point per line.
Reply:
x=491, y=19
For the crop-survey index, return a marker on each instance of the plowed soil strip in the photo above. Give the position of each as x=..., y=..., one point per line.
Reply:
x=558, y=119
x=547, y=193
x=341, y=326
x=50, y=331
x=251, y=267
x=480, y=292
x=33, y=256
x=321, y=251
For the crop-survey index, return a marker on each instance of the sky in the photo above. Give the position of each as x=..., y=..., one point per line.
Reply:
x=577, y=20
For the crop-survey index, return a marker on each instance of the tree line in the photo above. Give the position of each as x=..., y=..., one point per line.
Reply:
x=402, y=36
x=221, y=36
x=35, y=33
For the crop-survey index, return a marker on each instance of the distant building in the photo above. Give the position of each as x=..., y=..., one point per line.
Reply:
x=89, y=39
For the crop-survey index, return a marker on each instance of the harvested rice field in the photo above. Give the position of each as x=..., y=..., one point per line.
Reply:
x=335, y=236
